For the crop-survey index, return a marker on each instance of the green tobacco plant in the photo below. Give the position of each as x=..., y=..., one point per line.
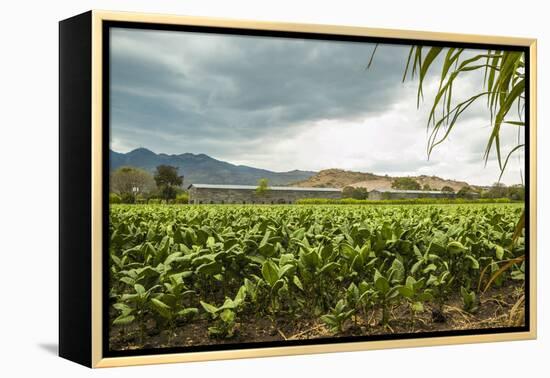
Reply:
x=170, y=314
x=416, y=294
x=462, y=263
x=275, y=277
x=361, y=259
x=441, y=284
x=295, y=263
x=387, y=286
x=224, y=327
x=469, y=300
x=225, y=315
x=337, y=316
x=134, y=306
x=317, y=271
x=360, y=297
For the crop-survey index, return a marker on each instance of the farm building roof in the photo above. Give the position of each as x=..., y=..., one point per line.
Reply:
x=253, y=187
x=408, y=191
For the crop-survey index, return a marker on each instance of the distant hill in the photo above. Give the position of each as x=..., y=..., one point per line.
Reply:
x=338, y=178
x=201, y=168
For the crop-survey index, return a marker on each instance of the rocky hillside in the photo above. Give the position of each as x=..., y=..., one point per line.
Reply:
x=338, y=178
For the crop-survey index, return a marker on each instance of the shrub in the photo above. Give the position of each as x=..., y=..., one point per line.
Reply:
x=410, y=201
x=127, y=198
x=141, y=199
x=405, y=183
x=182, y=198
x=153, y=201
x=167, y=192
x=114, y=198
x=355, y=193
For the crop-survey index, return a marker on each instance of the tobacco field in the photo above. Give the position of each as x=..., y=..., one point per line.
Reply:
x=192, y=275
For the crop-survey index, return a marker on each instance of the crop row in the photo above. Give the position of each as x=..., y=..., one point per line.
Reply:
x=172, y=265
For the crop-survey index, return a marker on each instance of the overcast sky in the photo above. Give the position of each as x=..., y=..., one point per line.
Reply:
x=284, y=104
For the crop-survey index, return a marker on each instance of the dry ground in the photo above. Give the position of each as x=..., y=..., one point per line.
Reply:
x=498, y=308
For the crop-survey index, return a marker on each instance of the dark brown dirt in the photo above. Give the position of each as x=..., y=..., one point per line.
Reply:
x=498, y=308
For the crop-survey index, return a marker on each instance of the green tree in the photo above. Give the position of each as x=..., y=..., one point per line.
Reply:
x=182, y=198
x=168, y=181
x=361, y=193
x=447, y=188
x=114, y=198
x=405, y=183
x=355, y=193
x=263, y=187
x=465, y=192
x=516, y=192
x=497, y=190
x=128, y=182
x=426, y=187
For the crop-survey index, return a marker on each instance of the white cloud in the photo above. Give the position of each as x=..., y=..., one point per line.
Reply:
x=393, y=143
x=284, y=104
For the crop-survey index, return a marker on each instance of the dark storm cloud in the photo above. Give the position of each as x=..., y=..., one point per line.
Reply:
x=285, y=104
x=195, y=90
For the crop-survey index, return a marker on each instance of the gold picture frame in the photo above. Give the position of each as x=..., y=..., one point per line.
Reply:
x=86, y=273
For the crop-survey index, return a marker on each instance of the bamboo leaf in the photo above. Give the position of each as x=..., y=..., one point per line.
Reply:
x=503, y=168
x=372, y=56
x=430, y=57
x=408, y=63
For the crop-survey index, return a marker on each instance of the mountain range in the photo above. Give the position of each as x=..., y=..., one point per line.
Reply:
x=203, y=169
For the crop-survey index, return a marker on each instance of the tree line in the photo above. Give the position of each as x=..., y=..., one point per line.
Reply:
x=497, y=190
x=134, y=185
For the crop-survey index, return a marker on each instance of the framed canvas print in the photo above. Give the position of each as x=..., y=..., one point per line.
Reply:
x=235, y=189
